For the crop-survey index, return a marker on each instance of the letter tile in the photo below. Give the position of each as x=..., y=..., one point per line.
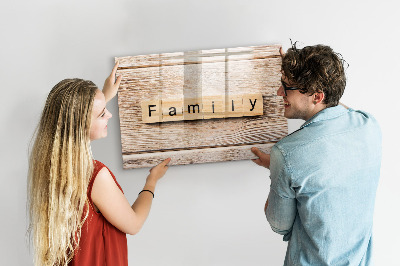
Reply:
x=252, y=104
x=213, y=107
x=151, y=111
x=172, y=110
x=192, y=109
x=233, y=105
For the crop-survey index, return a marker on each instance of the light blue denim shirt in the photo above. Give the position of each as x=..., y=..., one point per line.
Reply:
x=323, y=183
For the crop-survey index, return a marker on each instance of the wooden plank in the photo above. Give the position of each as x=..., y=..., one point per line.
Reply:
x=208, y=155
x=198, y=57
x=181, y=77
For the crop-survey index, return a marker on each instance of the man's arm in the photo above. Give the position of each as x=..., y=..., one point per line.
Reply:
x=280, y=213
x=262, y=160
x=280, y=208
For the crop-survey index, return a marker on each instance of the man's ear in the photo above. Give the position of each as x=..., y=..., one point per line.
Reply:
x=318, y=97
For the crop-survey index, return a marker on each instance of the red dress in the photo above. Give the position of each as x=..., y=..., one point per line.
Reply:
x=101, y=243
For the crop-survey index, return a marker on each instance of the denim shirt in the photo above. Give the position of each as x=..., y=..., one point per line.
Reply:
x=323, y=183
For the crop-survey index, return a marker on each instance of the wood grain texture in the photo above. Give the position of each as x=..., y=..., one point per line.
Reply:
x=206, y=155
x=186, y=75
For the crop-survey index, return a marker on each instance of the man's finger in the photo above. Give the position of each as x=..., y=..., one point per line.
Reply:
x=281, y=52
x=257, y=161
x=256, y=151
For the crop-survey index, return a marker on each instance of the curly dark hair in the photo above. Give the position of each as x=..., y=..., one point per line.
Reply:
x=316, y=69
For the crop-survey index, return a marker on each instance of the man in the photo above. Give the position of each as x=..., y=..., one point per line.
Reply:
x=323, y=176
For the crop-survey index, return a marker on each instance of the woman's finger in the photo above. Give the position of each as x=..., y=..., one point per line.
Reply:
x=166, y=161
x=118, y=81
x=114, y=71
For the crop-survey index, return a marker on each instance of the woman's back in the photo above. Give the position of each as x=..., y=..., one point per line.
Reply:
x=101, y=243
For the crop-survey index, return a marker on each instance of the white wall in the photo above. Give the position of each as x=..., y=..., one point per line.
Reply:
x=209, y=214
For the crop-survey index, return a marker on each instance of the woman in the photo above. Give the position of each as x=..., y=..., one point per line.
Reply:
x=78, y=212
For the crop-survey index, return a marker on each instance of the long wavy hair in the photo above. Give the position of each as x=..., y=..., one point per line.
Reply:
x=60, y=167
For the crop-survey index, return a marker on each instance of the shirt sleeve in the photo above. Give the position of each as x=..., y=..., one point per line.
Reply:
x=281, y=210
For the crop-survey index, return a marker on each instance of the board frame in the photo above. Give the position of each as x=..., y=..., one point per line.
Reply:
x=194, y=74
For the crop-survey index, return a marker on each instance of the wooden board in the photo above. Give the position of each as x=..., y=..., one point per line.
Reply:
x=184, y=76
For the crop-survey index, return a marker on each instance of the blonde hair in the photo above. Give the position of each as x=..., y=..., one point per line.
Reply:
x=60, y=167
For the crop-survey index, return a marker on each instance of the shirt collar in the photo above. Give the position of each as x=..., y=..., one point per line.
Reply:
x=325, y=114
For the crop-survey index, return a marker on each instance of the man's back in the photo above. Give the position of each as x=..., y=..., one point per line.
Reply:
x=328, y=171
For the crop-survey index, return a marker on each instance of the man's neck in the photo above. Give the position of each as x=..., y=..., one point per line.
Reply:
x=318, y=108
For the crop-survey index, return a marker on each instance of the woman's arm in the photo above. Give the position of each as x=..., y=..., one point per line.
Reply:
x=114, y=206
x=111, y=85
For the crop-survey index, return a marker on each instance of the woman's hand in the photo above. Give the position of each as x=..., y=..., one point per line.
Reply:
x=111, y=86
x=158, y=171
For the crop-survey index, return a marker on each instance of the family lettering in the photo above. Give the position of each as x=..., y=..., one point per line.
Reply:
x=206, y=107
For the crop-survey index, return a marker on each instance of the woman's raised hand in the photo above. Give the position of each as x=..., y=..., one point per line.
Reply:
x=111, y=85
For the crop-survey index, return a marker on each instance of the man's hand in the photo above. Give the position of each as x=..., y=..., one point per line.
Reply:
x=111, y=86
x=266, y=206
x=263, y=158
x=345, y=106
x=281, y=52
